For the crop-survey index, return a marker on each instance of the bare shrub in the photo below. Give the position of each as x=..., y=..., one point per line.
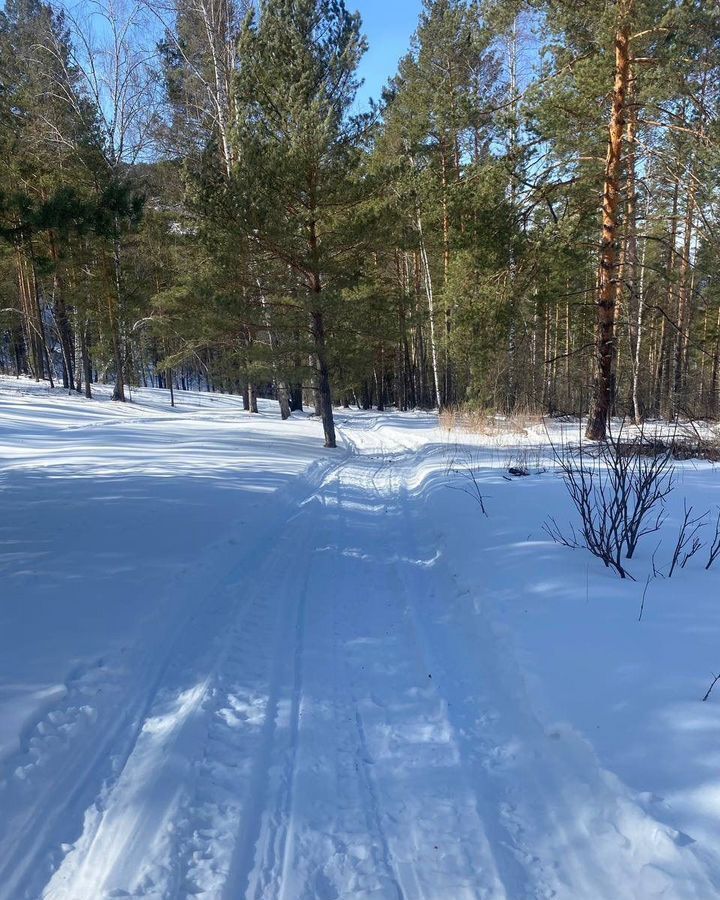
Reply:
x=715, y=545
x=688, y=542
x=619, y=493
x=466, y=467
x=715, y=680
x=693, y=441
x=524, y=460
x=684, y=444
x=645, y=482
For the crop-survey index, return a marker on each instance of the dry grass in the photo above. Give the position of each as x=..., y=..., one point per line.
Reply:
x=448, y=418
x=480, y=421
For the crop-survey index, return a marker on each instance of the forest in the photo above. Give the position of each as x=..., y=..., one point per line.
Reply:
x=527, y=219
x=359, y=449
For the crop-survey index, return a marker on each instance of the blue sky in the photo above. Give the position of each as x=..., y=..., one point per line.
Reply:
x=388, y=25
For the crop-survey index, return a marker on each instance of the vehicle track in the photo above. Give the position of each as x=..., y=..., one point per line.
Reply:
x=87, y=735
x=341, y=722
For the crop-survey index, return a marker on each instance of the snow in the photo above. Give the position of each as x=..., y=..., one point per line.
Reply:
x=235, y=664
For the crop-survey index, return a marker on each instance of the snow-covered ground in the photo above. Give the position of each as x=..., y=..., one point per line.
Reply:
x=234, y=664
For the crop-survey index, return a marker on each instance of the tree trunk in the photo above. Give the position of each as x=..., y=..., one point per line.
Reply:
x=44, y=352
x=427, y=280
x=62, y=321
x=283, y=396
x=637, y=358
x=28, y=316
x=317, y=328
x=281, y=388
x=252, y=396
x=85, y=357
x=662, y=357
x=296, y=397
x=323, y=385
x=115, y=304
x=513, y=141
x=447, y=379
x=683, y=323
x=605, y=307
x=715, y=383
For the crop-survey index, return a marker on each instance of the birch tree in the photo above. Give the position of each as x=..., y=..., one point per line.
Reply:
x=114, y=58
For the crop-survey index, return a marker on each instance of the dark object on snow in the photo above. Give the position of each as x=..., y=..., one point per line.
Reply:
x=518, y=472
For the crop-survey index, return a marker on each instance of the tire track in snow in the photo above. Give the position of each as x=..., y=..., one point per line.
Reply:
x=130, y=831
x=435, y=836
x=307, y=849
x=189, y=859
x=220, y=857
x=260, y=845
x=87, y=771
x=375, y=806
x=363, y=765
x=223, y=821
x=568, y=826
x=283, y=813
x=356, y=827
x=303, y=753
x=520, y=872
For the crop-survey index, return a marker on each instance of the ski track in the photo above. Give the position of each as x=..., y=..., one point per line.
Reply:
x=336, y=720
x=86, y=761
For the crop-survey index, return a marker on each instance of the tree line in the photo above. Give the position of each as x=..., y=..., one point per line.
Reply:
x=192, y=196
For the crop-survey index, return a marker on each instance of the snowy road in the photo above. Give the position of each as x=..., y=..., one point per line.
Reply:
x=335, y=719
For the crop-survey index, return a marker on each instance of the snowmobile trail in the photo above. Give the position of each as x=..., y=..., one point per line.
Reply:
x=89, y=746
x=340, y=721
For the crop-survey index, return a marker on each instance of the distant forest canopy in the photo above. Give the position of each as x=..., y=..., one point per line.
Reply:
x=528, y=219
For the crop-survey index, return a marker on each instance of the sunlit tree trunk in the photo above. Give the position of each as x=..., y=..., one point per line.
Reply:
x=605, y=306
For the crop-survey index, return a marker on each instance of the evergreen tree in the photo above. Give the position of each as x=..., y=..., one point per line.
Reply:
x=528, y=220
x=297, y=149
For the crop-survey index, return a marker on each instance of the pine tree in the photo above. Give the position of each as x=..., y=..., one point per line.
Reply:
x=297, y=148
